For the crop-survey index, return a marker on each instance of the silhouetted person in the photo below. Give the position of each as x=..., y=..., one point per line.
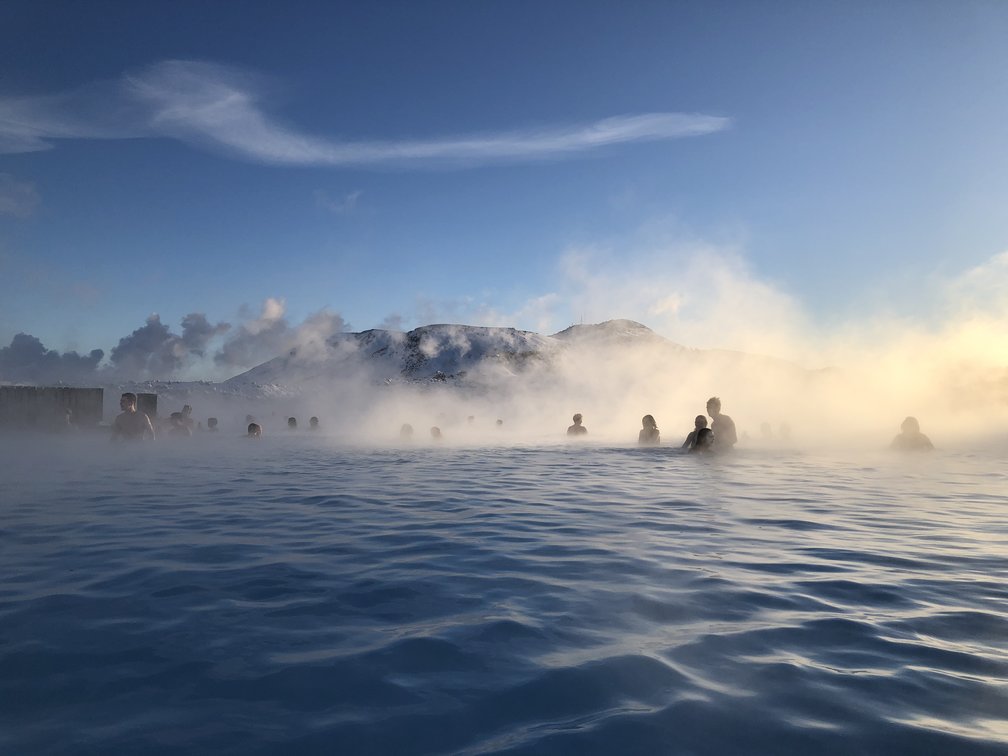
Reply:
x=211, y=424
x=130, y=423
x=911, y=438
x=313, y=423
x=705, y=441
x=577, y=429
x=406, y=431
x=435, y=433
x=66, y=423
x=722, y=426
x=699, y=423
x=471, y=419
x=254, y=430
x=291, y=423
x=500, y=423
x=186, y=416
x=177, y=426
x=649, y=435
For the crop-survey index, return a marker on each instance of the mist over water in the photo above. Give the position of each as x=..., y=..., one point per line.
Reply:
x=302, y=594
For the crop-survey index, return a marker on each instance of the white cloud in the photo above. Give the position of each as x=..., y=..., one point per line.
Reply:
x=220, y=107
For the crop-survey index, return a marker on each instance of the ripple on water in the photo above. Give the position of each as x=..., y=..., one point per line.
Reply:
x=292, y=599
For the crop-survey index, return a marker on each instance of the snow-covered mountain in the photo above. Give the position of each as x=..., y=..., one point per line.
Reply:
x=481, y=357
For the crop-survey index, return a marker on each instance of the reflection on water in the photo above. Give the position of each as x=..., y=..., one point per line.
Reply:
x=291, y=596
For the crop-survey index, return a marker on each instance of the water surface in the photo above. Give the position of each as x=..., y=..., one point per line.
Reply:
x=296, y=596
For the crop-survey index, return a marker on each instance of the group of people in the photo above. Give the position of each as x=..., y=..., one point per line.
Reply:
x=720, y=436
x=132, y=424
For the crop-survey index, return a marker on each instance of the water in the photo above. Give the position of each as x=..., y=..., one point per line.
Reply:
x=292, y=596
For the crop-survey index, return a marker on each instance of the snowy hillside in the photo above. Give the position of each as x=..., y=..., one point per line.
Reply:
x=480, y=357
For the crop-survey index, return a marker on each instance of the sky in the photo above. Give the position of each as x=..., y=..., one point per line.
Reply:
x=208, y=177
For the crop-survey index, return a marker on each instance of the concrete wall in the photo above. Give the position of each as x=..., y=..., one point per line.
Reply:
x=37, y=407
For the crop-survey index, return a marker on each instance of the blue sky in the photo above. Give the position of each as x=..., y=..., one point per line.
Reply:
x=405, y=163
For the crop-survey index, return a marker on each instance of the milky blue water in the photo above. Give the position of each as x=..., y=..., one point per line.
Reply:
x=225, y=596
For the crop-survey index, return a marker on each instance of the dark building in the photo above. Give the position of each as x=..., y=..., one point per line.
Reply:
x=45, y=407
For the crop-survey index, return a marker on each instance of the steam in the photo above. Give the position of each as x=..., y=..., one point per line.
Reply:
x=153, y=350
x=28, y=360
x=764, y=355
x=271, y=335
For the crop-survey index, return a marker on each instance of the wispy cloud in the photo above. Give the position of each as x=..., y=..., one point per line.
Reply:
x=220, y=108
x=17, y=198
x=340, y=205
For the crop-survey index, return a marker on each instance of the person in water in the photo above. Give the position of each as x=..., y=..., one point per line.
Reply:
x=722, y=426
x=699, y=423
x=211, y=424
x=649, y=435
x=130, y=423
x=705, y=440
x=435, y=433
x=577, y=429
x=291, y=423
x=406, y=432
x=911, y=438
x=254, y=430
x=313, y=423
x=187, y=420
x=177, y=426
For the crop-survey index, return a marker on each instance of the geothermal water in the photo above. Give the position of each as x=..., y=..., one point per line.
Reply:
x=298, y=595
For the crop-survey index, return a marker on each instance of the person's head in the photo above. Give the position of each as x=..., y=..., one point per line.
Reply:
x=292, y=423
x=713, y=406
x=700, y=421
x=406, y=431
x=471, y=419
x=648, y=422
x=186, y=410
x=254, y=431
x=499, y=422
x=704, y=438
x=910, y=426
x=128, y=402
x=313, y=422
x=211, y=423
x=577, y=419
x=435, y=432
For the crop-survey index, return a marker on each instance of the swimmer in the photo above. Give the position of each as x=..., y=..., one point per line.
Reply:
x=704, y=441
x=500, y=423
x=406, y=432
x=649, y=435
x=577, y=429
x=177, y=426
x=313, y=423
x=699, y=423
x=254, y=430
x=211, y=424
x=187, y=420
x=131, y=424
x=911, y=438
x=435, y=433
x=291, y=423
x=722, y=426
